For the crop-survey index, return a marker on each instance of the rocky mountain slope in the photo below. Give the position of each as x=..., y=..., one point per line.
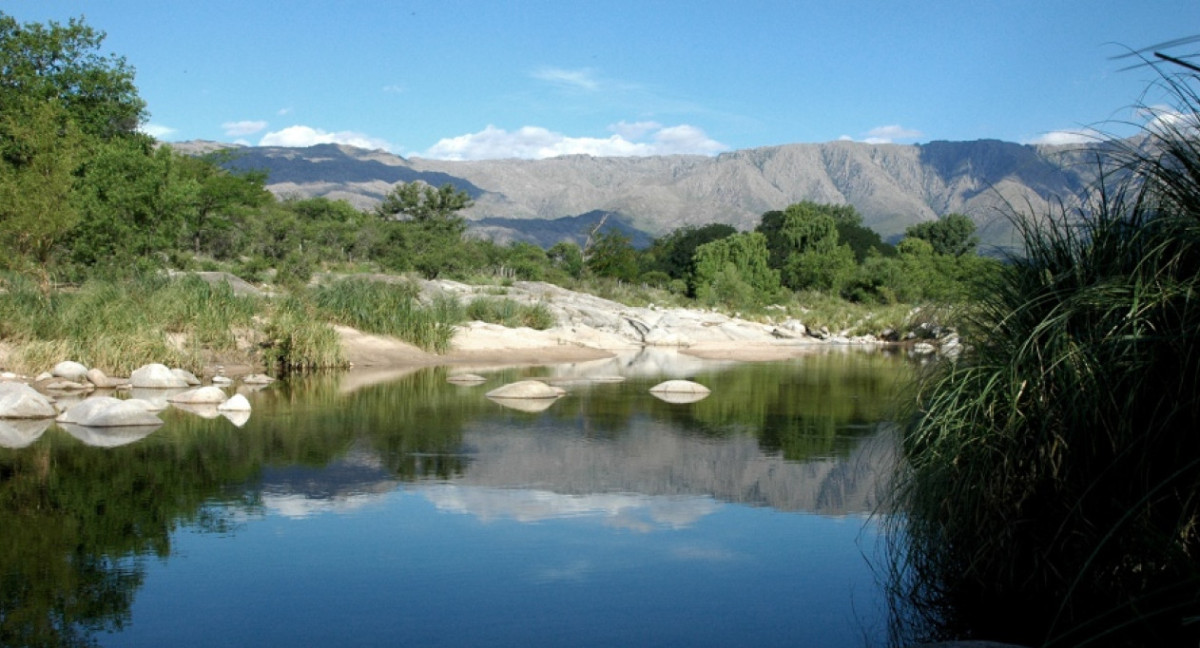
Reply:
x=891, y=185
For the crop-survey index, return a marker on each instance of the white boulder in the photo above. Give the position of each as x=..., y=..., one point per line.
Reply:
x=209, y=395
x=70, y=370
x=237, y=403
x=156, y=376
x=20, y=401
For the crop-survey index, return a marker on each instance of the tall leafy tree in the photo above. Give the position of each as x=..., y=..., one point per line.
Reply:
x=40, y=150
x=422, y=228
x=63, y=63
x=735, y=270
x=952, y=234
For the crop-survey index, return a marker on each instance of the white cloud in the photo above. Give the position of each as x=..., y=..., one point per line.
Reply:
x=300, y=136
x=582, y=79
x=393, y=88
x=636, y=130
x=284, y=111
x=1060, y=137
x=535, y=142
x=1165, y=119
x=157, y=131
x=890, y=133
x=239, y=128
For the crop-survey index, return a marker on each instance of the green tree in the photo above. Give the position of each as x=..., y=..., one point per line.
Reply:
x=952, y=234
x=40, y=149
x=62, y=64
x=423, y=230
x=612, y=255
x=735, y=270
x=435, y=208
x=675, y=253
x=220, y=199
x=802, y=227
x=132, y=203
x=567, y=257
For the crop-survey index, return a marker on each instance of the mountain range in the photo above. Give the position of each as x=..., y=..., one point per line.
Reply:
x=891, y=185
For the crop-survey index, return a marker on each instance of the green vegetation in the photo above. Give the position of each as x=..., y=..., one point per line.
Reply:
x=118, y=327
x=1050, y=494
x=389, y=309
x=510, y=313
x=86, y=199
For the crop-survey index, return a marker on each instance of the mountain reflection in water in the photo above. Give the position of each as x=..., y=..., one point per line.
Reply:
x=802, y=436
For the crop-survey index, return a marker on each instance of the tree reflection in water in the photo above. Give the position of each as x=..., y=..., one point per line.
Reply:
x=79, y=521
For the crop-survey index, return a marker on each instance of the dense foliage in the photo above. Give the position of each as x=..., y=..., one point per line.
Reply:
x=1053, y=473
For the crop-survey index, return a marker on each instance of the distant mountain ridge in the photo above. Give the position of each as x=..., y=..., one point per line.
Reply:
x=891, y=185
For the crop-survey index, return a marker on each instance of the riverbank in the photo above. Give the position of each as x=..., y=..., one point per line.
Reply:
x=583, y=327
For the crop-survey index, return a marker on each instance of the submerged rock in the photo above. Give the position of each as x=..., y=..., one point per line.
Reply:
x=466, y=379
x=680, y=387
x=106, y=411
x=237, y=403
x=209, y=395
x=527, y=389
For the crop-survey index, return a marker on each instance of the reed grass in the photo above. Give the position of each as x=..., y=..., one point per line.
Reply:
x=1051, y=490
x=118, y=326
x=510, y=313
x=390, y=309
x=299, y=340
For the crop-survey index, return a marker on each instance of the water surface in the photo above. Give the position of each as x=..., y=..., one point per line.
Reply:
x=400, y=509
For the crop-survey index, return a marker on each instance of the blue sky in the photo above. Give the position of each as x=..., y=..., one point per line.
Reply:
x=488, y=79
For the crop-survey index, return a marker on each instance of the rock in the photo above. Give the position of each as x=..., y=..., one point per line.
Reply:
x=531, y=405
x=238, y=418
x=210, y=395
x=70, y=370
x=105, y=411
x=658, y=336
x=466, y=379
x=104, y=381
x=20, y=401
x=236, y=404
x=222, y=380
x=60, y=384
x=155, y=376
x=257, y=379
x=108, y=437
x=186, y=376
x=679, y=387
x=923, y=348
x=526, y=389
x=203, y=410
x=17, y=434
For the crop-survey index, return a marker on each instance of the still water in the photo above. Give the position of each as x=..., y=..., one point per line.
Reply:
x=400, y=509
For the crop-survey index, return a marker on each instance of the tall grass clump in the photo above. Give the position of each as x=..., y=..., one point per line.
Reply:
x=390, y=309
x=1051, y=490
x=299, y=340
x=119, y=325
x=510, y=313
